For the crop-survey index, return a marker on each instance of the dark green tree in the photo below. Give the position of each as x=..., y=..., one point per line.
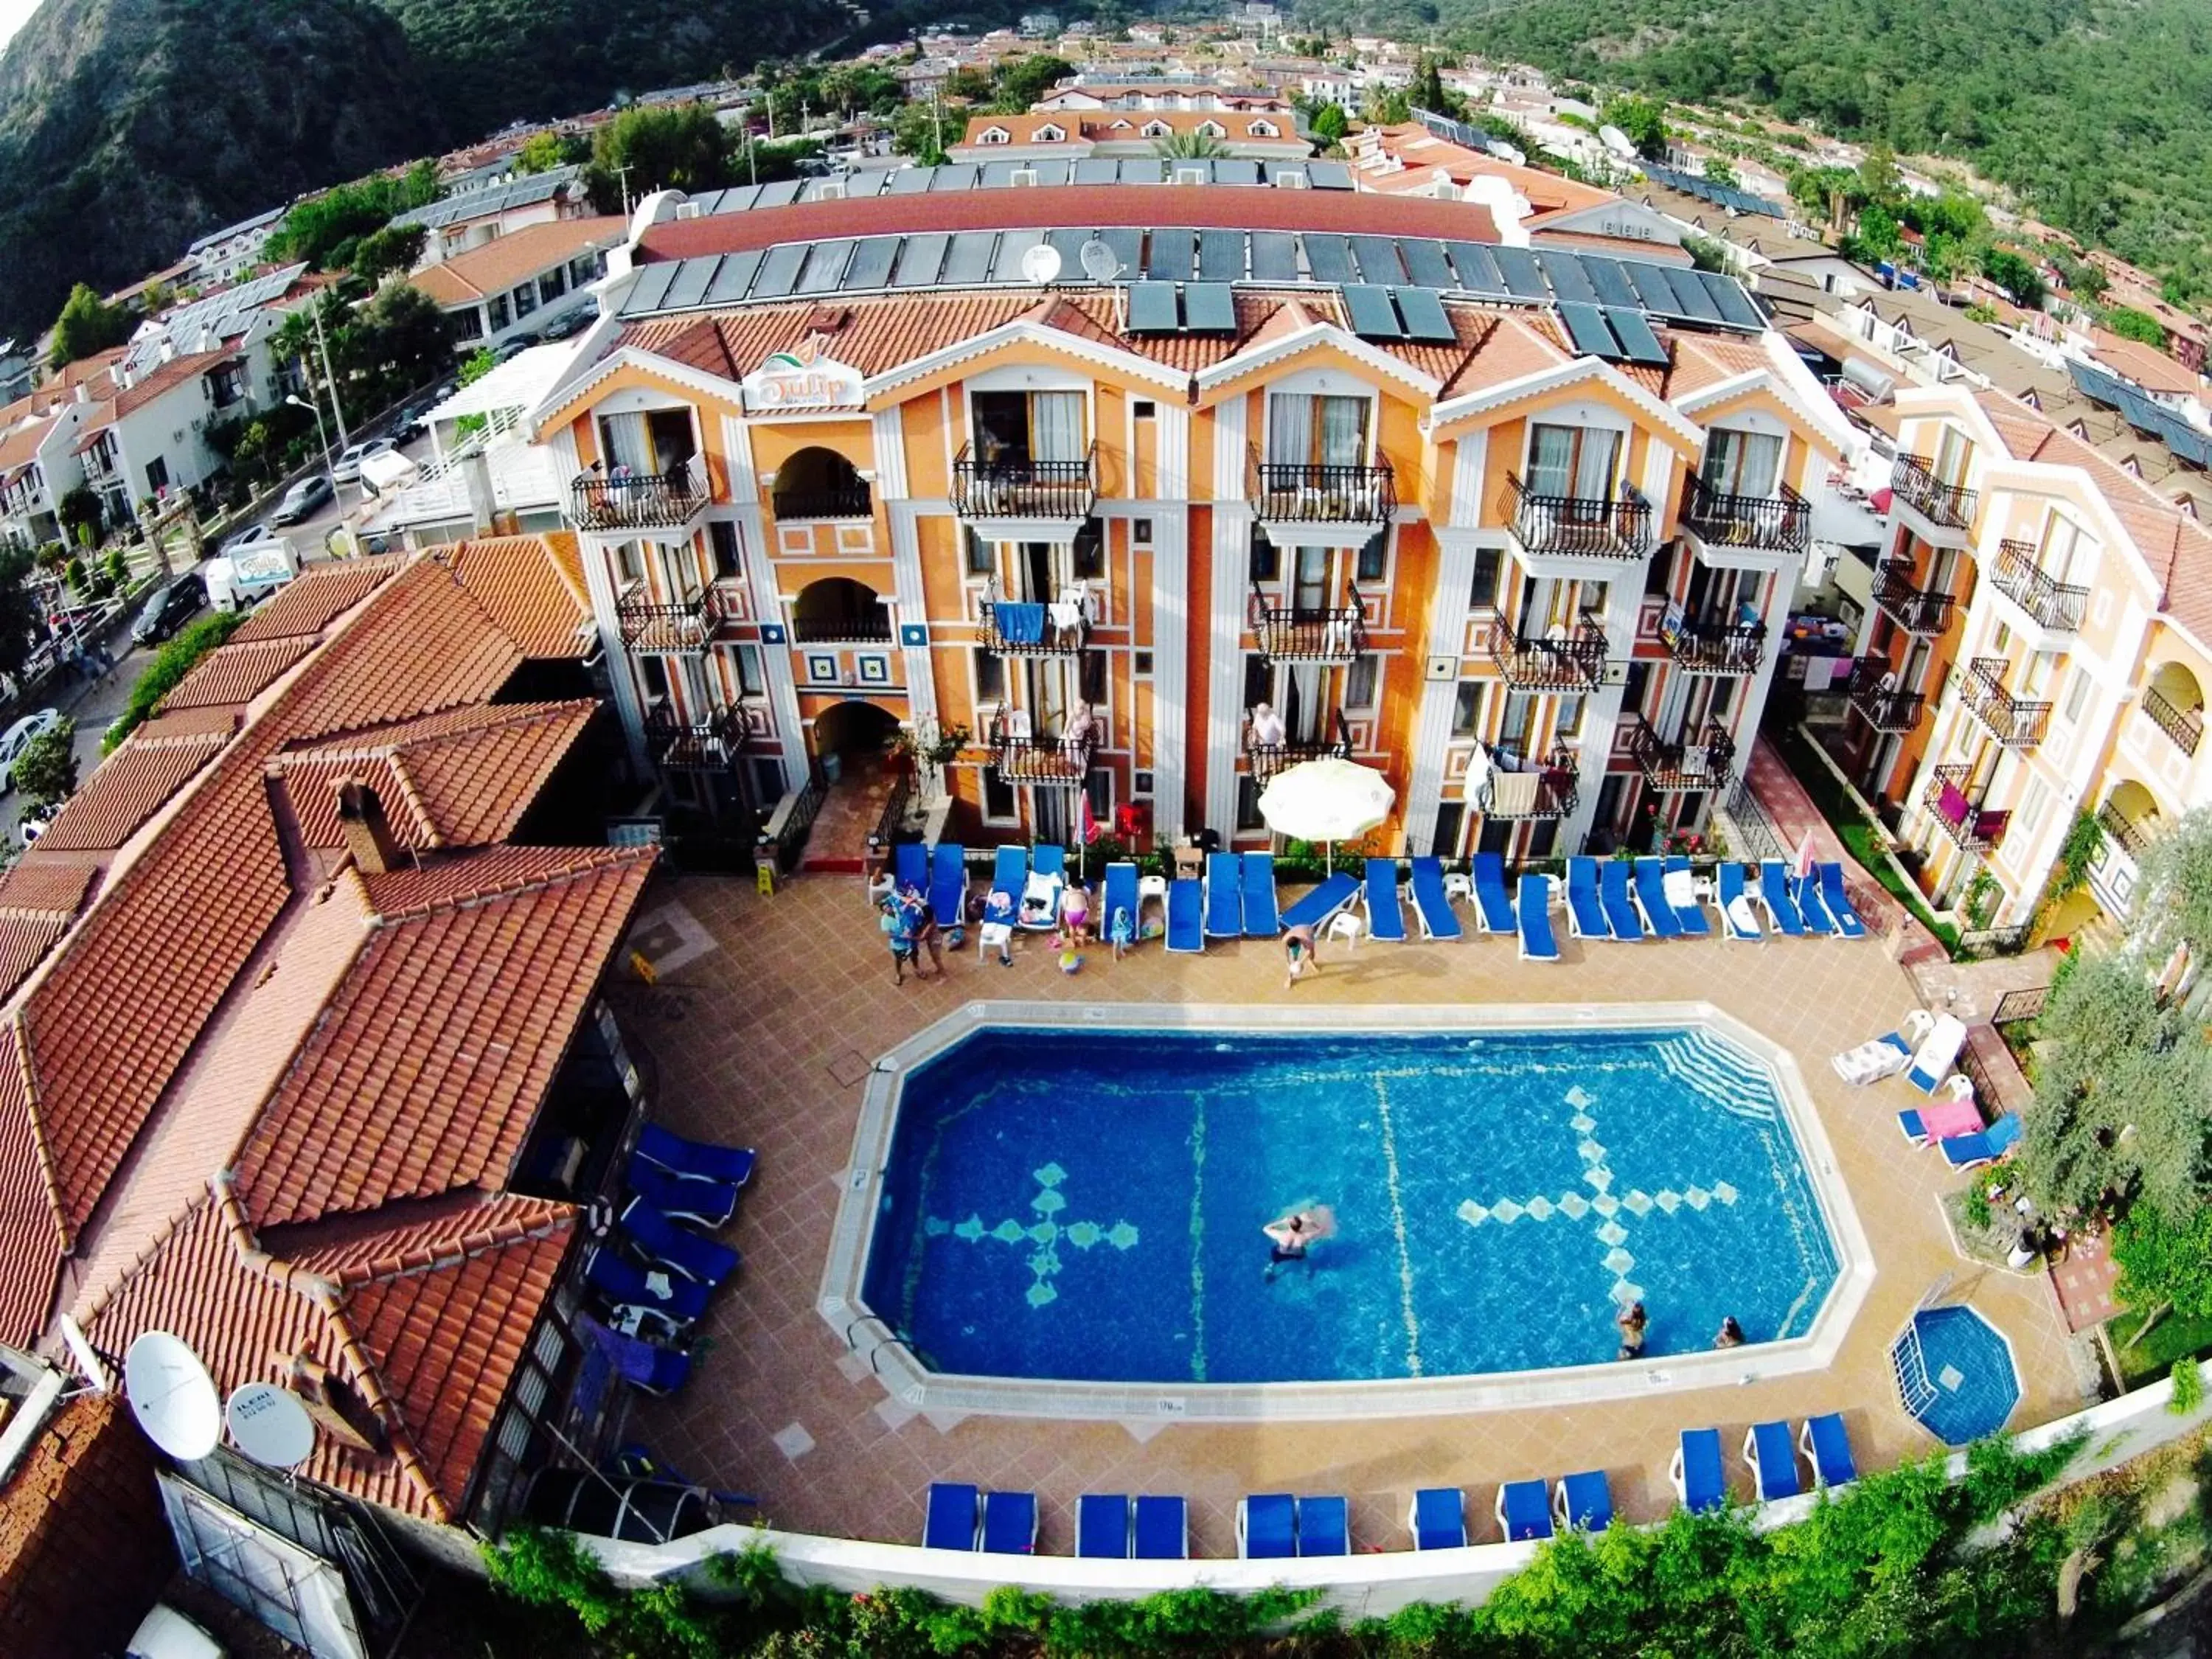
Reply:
x=1642, y=121
x=395, y=248
x=1330, y=124
x=22, y=618
x=87, y=325
x=1022, y=82
x=684, y=147
x=2137, y=325
x=2014, y=275
x=46, y=771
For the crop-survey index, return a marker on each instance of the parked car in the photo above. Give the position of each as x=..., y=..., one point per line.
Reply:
x=302, y=499
x=571, y=323
x=347, y=470
x=514, y=346
x=17, y=738
x=170, y=608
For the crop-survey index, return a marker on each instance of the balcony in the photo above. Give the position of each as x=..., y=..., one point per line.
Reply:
x=709, y=746
x=1683, y=763
x=1268, y=758
x=2133, y=834
x=1713, y=647
x=2184, y=728
x=1566, y=662
x=2048, y=604
x=860, y=629
x=1063, y=762
x=1558, y=535
x=1912, y=481
x=1971, y=826
x=1013, y=628
x=1750, y=524
x=1519, y=789
x=665, y=629
x=1916, y=610
x=1024, y=499
x=2012, y=722
x=1878, y=701
x=657, y=500
x=1332, y=505
x=853, y=501
x=1289, y=633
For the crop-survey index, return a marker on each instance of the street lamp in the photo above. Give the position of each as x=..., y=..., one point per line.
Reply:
x=321, y=437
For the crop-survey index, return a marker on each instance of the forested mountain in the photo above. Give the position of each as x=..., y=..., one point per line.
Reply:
x=2099, y=112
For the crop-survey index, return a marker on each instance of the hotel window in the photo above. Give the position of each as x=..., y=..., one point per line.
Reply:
x=982, y=557
x=1573, y=462
x=648, y=445
x=2034, y=800
x=2067, y=555
x=1518, y=729
x=553, y=284
x=1359, y=681
x=1266, y=561
x=468, y=325
x=1087, y=557
x=1374, y=557
x=654, y=671
x=1952, y=453
x=1451, y=817
x=629, y=563
x=1316, y=431
x=1740, y=463
x=751, y=681
x=1569, y=721
x=990, y=679
x=1466, y=708
x=1140, y=665
x=723, y=536
x=1140, y=531
x=1248, y=803
x=1482, y=594
x=2077, y=696
x=525, y=299
x=1093, y=678
x=998, y=805
x=1017, y=428
x=497, y=308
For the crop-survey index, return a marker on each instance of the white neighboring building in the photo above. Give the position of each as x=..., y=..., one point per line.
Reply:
x=148, y=438
x=225, y=255
x=469, y=219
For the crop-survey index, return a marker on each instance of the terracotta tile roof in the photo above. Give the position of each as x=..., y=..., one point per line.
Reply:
x=131, y=785
x=460, y=781
x=1081, y=129
x=20, y=447
x=39, y=899
x=503, y=263
x=33, y=1236
x=453, y=1021
x=166, y=377
x=318, y=597
x=217, y=718
x=524, y=589
x=232, y=674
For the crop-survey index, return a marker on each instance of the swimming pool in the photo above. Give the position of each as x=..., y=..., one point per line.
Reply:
x=1083, y=1205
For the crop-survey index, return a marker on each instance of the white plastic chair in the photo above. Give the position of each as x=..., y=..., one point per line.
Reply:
x=1345, y=925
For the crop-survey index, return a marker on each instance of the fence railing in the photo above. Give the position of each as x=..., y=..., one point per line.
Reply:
x=1783, y=522
x=1915, y=610
x=2012, y=722
x=1884, y=706
x=1039, y=760
x=711, y=745
x=1555, y=792
x=1970, y=825
x=2021, y=579
x=856, y=629
x=785, y=834
x=1023, y=490
x=2131, y=833
x=1994, y=941
x=1716, y=647
x=1291, y=632
x=1682, y=763
x=1287, y=493
x=1913, y=480
x=853, y=501
x=1569, y=662
x=1268, y=758
x=2015, y=1006
x=1588, y=525
x=2184, y=728
x=893, y=816
x=1755, y=838
x=637, y=501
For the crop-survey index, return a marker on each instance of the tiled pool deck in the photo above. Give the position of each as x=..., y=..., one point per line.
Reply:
x=765, y=1036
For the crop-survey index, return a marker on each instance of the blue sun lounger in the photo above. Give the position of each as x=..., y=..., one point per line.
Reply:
x=910, y=866
x=1523, y=1514
x=1010, y=873
x=1965, y=1151
x=1620, y=910
x=1186, y=907
x=701, y=1159
x=700, y=1199
x=954, y=1517
x=1583, y=1502
x=1826, y=1444
x=1261, y=919
x=1048, y=880
x=1806, y=890
x=1585, y=911
x=1780, y=907
x=1651, y=900
x=1324, y=1527
x=1224, y=895
x=1120, y=893
x=1493, y=901
x=948, y=885
x=1772, y=1461
x=1102, y=1526
x=699, y=1260
x=625, y=1283
x=1431, y=905
x=1699, y=1480
x=1010, y=1523
x=1324, y=901
x=1162, y=1532
x=1849, y=922
x=1737, y=919
x=1385, y=921
x=1438, y=1519
x=1691, y=916
x=1538, y=942
x=1267, y=1526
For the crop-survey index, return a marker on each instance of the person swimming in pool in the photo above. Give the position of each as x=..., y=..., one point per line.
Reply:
x=1632, y=1320
x=1290, y=1237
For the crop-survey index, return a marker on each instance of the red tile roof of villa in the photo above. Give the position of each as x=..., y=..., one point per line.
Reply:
x=533, y=597
x=235, y=673
x=304, y=608
x=134, y=783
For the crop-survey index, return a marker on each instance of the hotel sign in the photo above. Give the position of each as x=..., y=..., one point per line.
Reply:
x=793, y=380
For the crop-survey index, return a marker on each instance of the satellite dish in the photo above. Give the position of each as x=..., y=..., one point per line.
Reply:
x=1615, y=140
x=89, y=1363
x=1040, y=264
x=1099, y=264
x=172, y=1396
x=269, y=1426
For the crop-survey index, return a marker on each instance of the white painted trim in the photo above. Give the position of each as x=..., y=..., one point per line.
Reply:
x=1171, y=449
x=682, y=374
x=1233, y=558
x=1170, y=683
x=1558, y=379
x=1232, y=443
x=887, y=443
x=1023, y=332
x=1311, y=337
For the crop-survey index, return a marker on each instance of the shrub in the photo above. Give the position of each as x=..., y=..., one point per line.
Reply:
x=171, y=664
x=46, y=769
x=2188, y=1388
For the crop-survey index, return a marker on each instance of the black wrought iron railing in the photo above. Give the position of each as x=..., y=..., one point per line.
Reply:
x=784, y=835
x=1752, y=834
x=659, y=626
x=1039, y=760
x=1584, y=524
x=1023, y=488
x=1518, y=791
x=1567, y=661
x=892, y=819
x=2022, y=580
x=1715, y=647
x=1268, y=757
x=2012, y=721
x=1295, y=633
x=638, y=500
x=1014, y=629
x=1782, y=522
x=1913, y=480
x=1284, y=493
x=2184, y=728
x=846, y=628
x=1916, y=610
x=2015, y=1006
x=1880, y=701
x=1994, y=941
x=712, y=745
x=1949, y=798
x=2134, y=835
x=1693, y=761
x=853, y=501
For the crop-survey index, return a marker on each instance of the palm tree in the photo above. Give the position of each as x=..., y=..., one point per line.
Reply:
x=1190, y=147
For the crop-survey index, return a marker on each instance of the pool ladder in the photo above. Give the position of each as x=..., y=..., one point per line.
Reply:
x=1909, y=1362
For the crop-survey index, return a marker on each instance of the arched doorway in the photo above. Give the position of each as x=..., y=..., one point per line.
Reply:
x=852, y=742
x=820, y=483
x=838, y=610
x=2175, y=703
x=854, y=731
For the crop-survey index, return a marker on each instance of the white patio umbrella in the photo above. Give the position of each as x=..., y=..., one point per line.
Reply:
x=1327, y=801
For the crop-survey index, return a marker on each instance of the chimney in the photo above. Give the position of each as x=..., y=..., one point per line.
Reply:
x=367, y=833
x=168, y=348
x=338, y=1411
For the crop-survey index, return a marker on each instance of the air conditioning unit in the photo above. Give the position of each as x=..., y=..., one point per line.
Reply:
x=687, y=209
x=831, y=190
x=1192, y=176
x=1023, y=176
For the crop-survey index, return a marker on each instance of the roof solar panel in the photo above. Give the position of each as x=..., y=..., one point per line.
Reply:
x=1328, y=258
x=1637, y=340
x=1524, y=278
x=1143, y=170
x=920, y=259
x=1377, y=258
x=911, y=182
x=1425, y=263
x=1586, y=323
x=1373, y=317
x=1221, y=256
x=689, y=286
x=1068, y=244
x=955, y=176
x=872, y=258
x=825, y=264
x=1236, y=170
x=1152, y=309
x=1652, y=286
x=1274, y=256
x=1735, y=305
x=1208, y=309
x=782, y=192
x=999, y=175
x=1096, y=172
x=1696, y=302
x=967, y=261
x=1328, y=175
x=736, y=199
x=860, y=186
x=733, y=279
x=1564, y=273
x=1478, y=271
x=1128, y=245
x=1606, y=278
x=1171, y=258
x=1013, y=248
x=779, y=270
x=1425, y=315
x=652, y=283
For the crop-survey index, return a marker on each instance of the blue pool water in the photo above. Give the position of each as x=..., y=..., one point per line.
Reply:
x=1088, y=1206
x=1961, y=1384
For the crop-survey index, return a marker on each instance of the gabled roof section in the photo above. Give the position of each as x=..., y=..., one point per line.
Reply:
x=232, y=673
x=525, y=590
x=34, y=1234
x=1680, y=431
x=131, y=785
x=321, y=595
x=1319, y=334
x=166, y=378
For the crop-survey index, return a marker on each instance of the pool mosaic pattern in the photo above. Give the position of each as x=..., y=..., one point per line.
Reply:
x=1499, y=1197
